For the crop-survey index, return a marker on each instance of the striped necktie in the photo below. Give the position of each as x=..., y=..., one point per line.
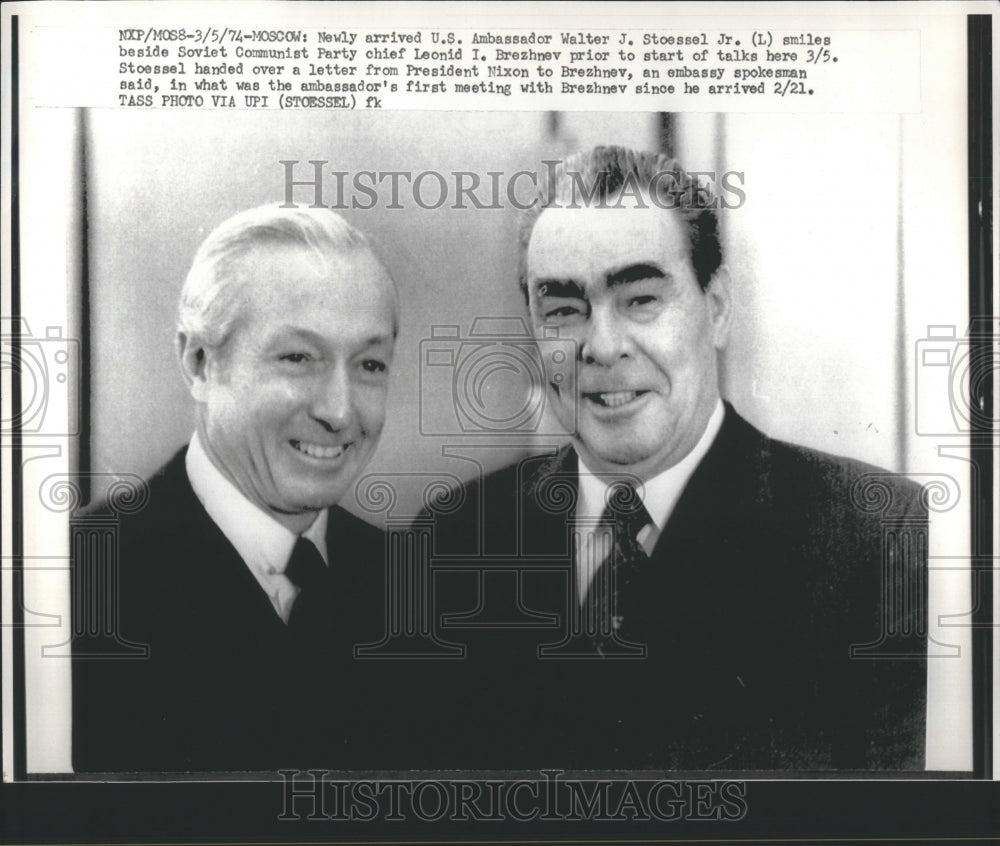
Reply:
x=611, y=596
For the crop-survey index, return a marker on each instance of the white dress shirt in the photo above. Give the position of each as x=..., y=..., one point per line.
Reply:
x=262, y=542
x=659, y=495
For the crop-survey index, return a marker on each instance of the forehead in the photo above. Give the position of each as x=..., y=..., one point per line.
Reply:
x=317, y=291
x=582, y=243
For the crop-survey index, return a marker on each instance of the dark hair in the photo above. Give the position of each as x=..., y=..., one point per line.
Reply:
x=598, y=176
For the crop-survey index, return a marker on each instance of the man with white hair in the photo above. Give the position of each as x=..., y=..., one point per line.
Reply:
x=247, y=583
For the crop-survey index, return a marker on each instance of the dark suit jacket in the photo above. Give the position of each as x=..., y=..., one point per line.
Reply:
x=225, y=686
x=776, y=561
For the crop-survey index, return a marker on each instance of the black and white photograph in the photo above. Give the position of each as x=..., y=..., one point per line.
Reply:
x=403, y=441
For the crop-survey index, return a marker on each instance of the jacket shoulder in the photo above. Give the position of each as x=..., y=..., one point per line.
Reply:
x=344, y=527
x=508, y=484
x=490, y=512
x=864, y=487
x=130, y=498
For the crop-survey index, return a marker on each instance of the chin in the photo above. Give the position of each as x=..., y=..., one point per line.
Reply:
x=619, y=454
x=625, y=460
x=313, y=500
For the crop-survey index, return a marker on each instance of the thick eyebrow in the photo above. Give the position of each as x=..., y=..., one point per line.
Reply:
x=634, y=273
x=569, y=288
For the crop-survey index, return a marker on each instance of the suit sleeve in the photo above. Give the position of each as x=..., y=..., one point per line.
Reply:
x=115, y=701
x=896, y=659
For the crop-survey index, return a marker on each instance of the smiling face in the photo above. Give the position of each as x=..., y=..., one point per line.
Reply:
x=292, y=405
x=620, y=283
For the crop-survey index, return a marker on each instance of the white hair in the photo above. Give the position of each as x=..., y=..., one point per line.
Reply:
x=210, y=296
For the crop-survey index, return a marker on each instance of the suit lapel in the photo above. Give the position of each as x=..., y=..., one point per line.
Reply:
x=719, y=525
x=220, y=585
x=703, y=592
x=357, y=554
x=717, y=590
x=548, y=491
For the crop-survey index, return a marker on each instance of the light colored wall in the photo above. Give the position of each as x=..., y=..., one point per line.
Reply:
x=815, y=269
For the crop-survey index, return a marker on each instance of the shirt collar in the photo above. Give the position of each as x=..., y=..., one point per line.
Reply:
x=261, y=541
x=660, y=494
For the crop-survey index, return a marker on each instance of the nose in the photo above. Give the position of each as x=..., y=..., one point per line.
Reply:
x=603, y=342
x=332, y=402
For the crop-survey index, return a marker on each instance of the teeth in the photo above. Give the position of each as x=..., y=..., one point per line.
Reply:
x=617, y=398
x=317, y=451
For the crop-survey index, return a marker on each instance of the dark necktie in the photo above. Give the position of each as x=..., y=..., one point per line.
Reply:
x=309, y=573
x=612, y=593
x=309, y=668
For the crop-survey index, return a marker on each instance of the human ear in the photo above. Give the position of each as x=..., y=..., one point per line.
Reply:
x=720, y=303
x=193, y=357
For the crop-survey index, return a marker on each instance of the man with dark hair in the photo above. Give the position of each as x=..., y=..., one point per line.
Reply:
x=241, y=578
x=724, y=600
